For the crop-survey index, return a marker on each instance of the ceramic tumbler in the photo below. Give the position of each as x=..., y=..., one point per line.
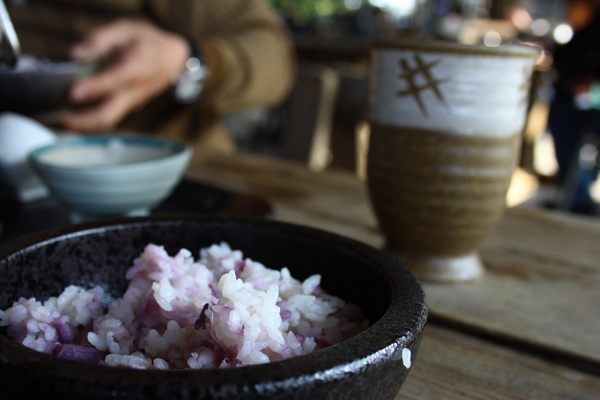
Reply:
x=446, y=122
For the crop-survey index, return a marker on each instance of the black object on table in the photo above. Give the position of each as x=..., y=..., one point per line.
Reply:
x=189, y=197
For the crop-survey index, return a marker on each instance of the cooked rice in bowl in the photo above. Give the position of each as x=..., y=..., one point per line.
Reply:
x=220, y=311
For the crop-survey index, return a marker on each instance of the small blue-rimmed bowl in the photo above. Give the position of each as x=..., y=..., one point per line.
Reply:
x=111, y=175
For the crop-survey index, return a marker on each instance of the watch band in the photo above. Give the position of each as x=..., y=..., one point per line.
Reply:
x=194, y=52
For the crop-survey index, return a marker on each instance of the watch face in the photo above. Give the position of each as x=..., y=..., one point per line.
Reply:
x=190, y=84
x=187, y=90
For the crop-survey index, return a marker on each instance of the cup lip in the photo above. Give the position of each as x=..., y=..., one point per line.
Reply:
x=175, y=150
x=445, y=46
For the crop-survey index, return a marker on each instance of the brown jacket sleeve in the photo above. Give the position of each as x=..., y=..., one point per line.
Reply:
x=247, y=48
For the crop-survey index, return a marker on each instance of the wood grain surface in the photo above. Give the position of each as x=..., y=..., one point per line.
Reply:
x=451, y=366
x=528, y=329
x=541, y=287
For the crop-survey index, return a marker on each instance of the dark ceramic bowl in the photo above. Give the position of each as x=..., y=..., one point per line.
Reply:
x=369, y=365
x=39, y=87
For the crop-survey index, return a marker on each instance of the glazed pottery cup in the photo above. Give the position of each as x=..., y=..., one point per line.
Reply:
x=446, y=122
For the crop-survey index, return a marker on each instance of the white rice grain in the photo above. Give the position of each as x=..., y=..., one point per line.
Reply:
x=221, y=310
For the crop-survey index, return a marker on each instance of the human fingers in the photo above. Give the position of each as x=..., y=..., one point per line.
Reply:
x=104, y=40
x=109, y=111
x=103, y=84
x=101, y=116
x=152, y=54
x=113, y=39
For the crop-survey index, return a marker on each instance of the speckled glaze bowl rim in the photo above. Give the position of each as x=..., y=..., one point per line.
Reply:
x=174, y=151
x=384, y=339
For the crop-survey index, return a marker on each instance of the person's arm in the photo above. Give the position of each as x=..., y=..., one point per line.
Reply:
x=248, y=52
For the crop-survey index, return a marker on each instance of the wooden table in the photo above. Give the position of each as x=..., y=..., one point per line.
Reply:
x=528, y=329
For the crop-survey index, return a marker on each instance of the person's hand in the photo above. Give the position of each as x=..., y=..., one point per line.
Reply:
x=147, y=59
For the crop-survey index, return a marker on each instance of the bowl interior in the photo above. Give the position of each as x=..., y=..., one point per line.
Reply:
x=42, y=265
x=102, y=255
x=105, y=151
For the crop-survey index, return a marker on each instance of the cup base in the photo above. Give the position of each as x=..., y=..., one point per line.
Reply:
x=442, y=269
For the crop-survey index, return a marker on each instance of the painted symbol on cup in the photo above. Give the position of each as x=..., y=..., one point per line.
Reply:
x=410, y=73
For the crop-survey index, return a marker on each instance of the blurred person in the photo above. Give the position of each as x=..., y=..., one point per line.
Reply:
x=151, y=83
x=572, y=115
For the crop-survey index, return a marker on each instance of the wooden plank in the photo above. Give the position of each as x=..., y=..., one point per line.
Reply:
x=453, y=366
x=542, y=278
x=541, y=285
x=335, y=200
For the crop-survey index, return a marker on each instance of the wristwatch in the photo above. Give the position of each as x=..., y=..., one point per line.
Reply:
x=189, y=85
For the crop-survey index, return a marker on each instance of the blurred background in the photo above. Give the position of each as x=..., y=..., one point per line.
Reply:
x=333, y=39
